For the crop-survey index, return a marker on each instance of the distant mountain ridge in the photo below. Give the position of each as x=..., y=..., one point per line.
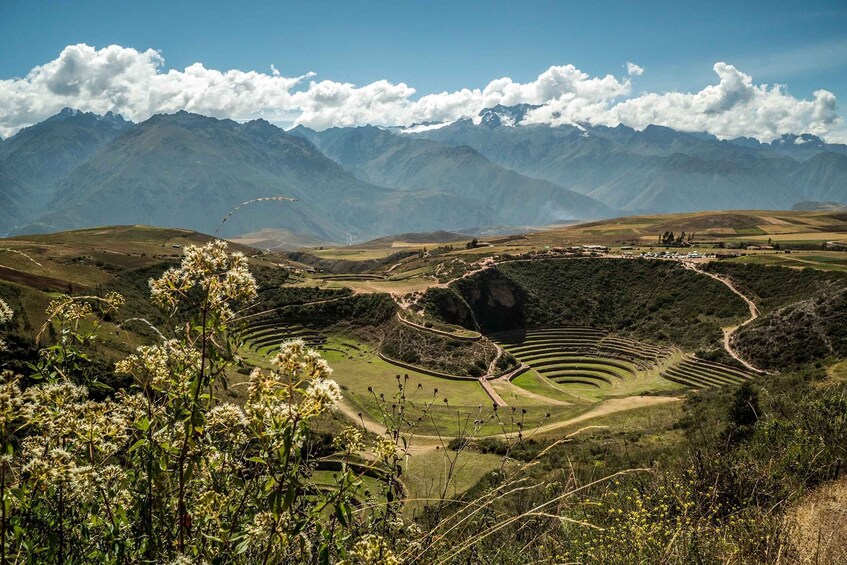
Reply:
x=188, y=170
x=34, y=160
x=657, y=169
x=407, y=163
x=78, y=169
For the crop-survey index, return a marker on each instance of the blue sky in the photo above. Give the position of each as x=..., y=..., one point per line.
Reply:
x=446, y=46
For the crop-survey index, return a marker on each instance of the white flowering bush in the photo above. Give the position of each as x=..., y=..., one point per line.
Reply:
x=167, y=471
x=6, y=316
x=6, y=313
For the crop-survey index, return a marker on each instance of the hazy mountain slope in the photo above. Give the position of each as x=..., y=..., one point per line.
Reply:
x=13, y=199
x=79, y=169
x=682, y=183
x=657, y=169
x=189, y=171
x=823, y=178
x=409, y=163
x=37, y=157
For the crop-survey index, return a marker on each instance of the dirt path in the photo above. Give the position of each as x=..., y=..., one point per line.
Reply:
x=605, y=408
x=394, y=266
x=492, y=367
x=729, y=332
x=352, y=414
x=611, y=406
x=492, y=394
x=436, y=331
x=518, y=391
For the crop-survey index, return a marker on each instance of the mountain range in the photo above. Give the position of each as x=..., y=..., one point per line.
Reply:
x=78, y=169
x=657, y=169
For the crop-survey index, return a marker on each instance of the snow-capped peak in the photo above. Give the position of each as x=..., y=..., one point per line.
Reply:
x=499, y=115
x=425, y=126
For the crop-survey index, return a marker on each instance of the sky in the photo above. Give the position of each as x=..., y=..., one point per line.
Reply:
x=732, y=68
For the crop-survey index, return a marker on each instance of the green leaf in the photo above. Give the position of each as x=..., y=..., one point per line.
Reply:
x=137, y=444
x=289, y=496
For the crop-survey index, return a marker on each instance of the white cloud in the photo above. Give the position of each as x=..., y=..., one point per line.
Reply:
x=733, y=107
x=136, y=84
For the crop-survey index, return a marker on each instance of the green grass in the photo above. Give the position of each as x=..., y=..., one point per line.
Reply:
x=557, y=360
x=639, y=420
x=798, y=262
x=357, y=369
x=589, y=369
x=533, y=382
x=426, y=473
x=606, y=372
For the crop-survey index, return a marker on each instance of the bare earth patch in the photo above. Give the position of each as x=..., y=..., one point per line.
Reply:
x=818, y=525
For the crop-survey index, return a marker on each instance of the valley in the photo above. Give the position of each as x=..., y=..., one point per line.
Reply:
x=481, y=353
x=519, y=335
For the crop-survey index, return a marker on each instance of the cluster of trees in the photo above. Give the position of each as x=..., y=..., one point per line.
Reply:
x=668, y=239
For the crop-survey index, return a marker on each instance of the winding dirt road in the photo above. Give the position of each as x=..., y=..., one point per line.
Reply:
x=729, y=332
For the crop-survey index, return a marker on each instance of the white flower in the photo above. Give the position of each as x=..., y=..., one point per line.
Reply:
x=6, y=313
x=167, y=367
x=11, y=399
x=385, y=449
x=222, y=278
x=372, y=550
x=350, y=440
x=227, y=423
x=68, y=308
x=321, y=396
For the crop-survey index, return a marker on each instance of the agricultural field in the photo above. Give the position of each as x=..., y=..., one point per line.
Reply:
x=589, y=363
x=451, y=406
x=265, y=336
x=572, y=368
x=831, y=261
x=696, y=373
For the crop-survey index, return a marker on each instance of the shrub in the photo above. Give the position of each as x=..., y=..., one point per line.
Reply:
x=169, y=470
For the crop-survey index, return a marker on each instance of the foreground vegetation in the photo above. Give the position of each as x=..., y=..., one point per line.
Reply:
x=167, y=469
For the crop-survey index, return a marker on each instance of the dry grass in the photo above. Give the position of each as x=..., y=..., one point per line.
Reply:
x=817, y=525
